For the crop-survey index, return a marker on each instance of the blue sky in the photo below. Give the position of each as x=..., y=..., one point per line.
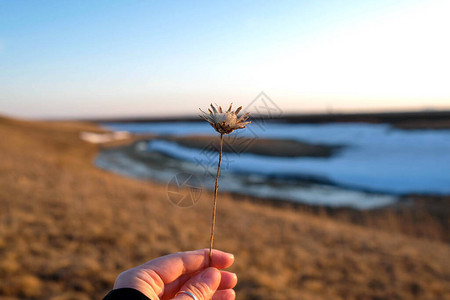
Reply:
x=137, y=58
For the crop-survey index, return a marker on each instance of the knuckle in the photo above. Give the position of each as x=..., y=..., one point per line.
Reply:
x=200, y=290
x=151, y=278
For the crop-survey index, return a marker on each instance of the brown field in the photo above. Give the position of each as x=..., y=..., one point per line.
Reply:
x=67, y=229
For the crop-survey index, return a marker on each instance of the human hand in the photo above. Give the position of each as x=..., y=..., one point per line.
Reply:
x=168, y=276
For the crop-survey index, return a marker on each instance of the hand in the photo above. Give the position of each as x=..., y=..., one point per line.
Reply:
x=164, y=277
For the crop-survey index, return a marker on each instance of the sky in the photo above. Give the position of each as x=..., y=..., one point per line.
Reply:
x=84, y=59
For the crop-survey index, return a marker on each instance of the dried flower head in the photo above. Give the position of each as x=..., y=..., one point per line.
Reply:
x=225, y=122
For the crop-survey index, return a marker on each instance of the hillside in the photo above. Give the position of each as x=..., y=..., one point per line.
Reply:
x=67, y=229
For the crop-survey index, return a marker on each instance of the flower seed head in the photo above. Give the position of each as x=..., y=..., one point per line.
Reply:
x=225, y=122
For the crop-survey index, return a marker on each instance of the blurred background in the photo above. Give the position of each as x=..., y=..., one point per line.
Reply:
x=338, y=189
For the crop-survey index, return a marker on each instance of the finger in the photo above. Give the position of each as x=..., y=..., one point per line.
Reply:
x=170, y=267
x=202, y=286
x=228, y=281
x=228, y=294
x=172, y=288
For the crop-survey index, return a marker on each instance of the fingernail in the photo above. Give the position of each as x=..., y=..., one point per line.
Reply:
x=234, y=276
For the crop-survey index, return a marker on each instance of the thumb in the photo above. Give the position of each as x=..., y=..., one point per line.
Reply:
x=202, y=286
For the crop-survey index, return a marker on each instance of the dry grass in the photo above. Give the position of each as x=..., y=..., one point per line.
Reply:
x=67, y=229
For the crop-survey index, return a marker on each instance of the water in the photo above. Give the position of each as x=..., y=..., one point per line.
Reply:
x=377, y=163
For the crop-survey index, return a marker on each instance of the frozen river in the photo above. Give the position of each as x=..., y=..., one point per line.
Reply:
x=376, y=158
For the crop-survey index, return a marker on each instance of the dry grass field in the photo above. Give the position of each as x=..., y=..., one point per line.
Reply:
x=67, y=229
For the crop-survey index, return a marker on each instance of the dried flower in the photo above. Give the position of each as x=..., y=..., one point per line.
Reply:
x=225, y=122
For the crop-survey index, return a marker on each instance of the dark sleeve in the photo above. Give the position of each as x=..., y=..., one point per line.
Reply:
x=125, y=294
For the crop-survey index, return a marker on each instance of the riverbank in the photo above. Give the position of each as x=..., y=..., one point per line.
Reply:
x=67, y=229
x=258, y=146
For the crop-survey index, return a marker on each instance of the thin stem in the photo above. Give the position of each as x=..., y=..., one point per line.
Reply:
x=213, y=223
